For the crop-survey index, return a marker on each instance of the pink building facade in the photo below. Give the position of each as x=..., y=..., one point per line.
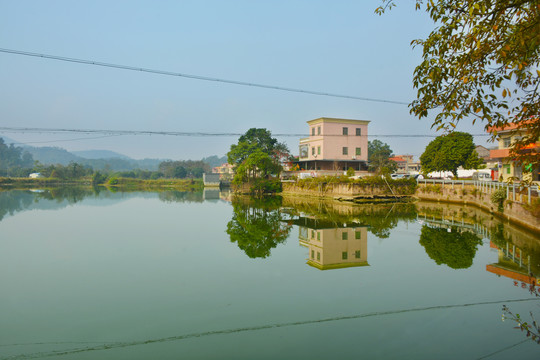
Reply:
x=334, y=144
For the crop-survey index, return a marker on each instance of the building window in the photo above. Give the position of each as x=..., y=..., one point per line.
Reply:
x=304, y=151
x=507, y=142
x=344, y=255
x=345, y=131
x=358, y=132
x=318, y=235
x=358, y=151
x=318, y=150
x=313, y=234
x=344, y=235
x=357, y=235
x=318, y=255
x=507, y=168
x=345, y=151
x=313, y=151
x=313, y=254
x=318, y=130
x=357, y=254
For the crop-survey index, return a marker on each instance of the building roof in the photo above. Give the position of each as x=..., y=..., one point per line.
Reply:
x=510, y=126
x=337, y=120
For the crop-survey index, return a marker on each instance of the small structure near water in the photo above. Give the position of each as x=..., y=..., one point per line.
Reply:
x=211, y=180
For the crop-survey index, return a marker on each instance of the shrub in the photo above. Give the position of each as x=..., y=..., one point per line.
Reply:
x=498, y=197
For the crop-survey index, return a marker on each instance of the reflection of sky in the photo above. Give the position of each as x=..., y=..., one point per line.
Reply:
x=146, y=269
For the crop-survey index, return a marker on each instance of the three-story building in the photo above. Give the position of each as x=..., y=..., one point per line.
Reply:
x=334, y=144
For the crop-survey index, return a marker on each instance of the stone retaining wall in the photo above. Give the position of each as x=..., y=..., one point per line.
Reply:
x=513, y=211
x=333, y=190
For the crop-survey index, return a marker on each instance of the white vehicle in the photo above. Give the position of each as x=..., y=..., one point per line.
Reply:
x=481, y=176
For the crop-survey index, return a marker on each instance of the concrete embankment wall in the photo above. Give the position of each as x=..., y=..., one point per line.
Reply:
x=345, y=190
x=514, y=211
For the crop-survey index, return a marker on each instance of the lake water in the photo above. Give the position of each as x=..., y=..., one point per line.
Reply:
x=170, y=275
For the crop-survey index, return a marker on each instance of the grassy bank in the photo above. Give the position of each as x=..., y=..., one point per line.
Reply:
x=118, y=183
x=176, y=184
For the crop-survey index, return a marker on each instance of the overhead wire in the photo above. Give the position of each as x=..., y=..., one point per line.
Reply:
x=111, y=132
x=195, y=77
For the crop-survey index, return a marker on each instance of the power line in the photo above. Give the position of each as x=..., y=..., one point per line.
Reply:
x=196, y=77
x=190, y=133
x=65, y=140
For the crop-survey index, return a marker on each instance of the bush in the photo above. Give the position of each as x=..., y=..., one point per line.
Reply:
x=498, y=197
x=98, y=178
x=113, y=181
x=262, y=186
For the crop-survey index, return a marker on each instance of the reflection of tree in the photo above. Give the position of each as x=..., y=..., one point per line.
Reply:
x=14, y=201
x=19, y=200
x=257, y=226
x=181, y=196
x=455, y=249
x=380, y=218
x=70, y=194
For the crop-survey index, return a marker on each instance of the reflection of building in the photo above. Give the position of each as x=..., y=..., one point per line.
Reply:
x=334, y=144
x=515, y=265
x=331, y=245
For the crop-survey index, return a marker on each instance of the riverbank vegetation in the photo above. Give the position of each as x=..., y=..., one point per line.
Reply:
x=257, y=159
x=368, y=185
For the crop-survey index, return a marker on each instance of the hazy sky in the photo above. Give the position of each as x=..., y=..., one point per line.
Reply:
x=337, y=47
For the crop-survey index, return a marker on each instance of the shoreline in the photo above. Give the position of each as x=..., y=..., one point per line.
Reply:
x=515, y=212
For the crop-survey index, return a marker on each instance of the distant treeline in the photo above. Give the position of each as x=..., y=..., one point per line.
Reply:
x=16, y=162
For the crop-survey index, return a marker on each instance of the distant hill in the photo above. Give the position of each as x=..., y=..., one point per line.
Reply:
x=52, y=155
x=100, y=154
x=98, y=159
x=214, y=160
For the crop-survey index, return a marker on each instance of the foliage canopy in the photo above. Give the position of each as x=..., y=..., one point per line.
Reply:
x=448, y=152
x=257, y=154
x=481, y=62
x=379, y=154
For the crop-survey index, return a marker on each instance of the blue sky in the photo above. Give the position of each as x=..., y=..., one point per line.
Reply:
x=336, y=47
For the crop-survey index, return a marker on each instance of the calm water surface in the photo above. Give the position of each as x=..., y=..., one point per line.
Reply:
x=172, y=275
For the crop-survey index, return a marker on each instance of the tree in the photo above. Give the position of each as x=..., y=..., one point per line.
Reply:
x=481, y=62
x=379, y=154
x=13, y=159
x=255, y=139
x=448, y=152
x=256, y=155
x=183, y=168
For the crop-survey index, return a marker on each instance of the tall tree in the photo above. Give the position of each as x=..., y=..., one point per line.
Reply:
x=481, y=62
x=379, y=154
x=256, y=154
x=13, y=157
x=448, y=152
x=254, y=139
